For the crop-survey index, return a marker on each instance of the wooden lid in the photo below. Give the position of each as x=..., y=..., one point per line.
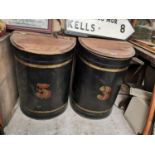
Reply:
x=44, y=44
x=108, y=48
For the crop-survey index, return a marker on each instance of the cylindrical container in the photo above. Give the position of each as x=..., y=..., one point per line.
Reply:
x=43, y=71
x=100, y=67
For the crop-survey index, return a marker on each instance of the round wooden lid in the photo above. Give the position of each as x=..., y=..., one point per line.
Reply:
x=44, y=44
x=108, y=48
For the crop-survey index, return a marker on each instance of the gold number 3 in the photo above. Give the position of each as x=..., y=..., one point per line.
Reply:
x=105, y=92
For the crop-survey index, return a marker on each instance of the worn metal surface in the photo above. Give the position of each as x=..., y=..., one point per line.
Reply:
x=97, y=79
x=43, y=79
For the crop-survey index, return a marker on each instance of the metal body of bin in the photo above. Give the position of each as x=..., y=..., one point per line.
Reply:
x=43, y=70
x=99, y=69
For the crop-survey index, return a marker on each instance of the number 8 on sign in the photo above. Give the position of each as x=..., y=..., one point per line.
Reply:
x=122, y=28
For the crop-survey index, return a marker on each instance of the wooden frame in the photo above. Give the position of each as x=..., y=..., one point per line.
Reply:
x=13, y=26
x=1, y=126
x=133, y=22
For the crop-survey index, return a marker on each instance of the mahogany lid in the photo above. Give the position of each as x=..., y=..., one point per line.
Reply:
x=108, y=48
x=45, y=44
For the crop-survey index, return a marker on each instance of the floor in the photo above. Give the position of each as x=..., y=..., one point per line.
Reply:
x=69, y=123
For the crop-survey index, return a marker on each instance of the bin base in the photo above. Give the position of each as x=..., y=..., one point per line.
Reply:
x=87, y=114
x=43, y=115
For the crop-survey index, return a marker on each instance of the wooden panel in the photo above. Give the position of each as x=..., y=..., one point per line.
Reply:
x=8, y=86
x=149, y=56
x=4, y=48
x=136, y=114
x=58, y=25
